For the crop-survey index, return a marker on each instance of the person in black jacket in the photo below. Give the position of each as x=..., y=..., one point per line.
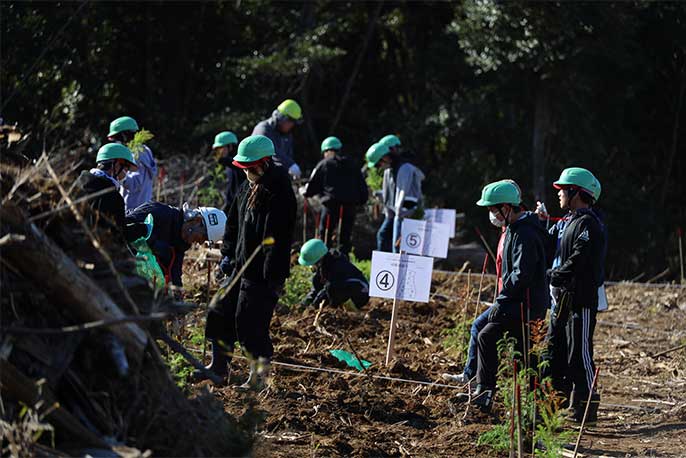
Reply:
x=338, y=181
x=575, y=282
x=224, y=148
x=108, y=211
x=263, y=209
x=335, y=279
x=174, y=231
x=524, y=292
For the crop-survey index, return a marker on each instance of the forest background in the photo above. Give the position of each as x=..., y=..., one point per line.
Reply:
x=479, y=90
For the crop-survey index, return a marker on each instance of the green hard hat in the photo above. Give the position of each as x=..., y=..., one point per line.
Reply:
x=311, y=252
x=390, y=141
x=375, y=153
x=122, y=125
x=224, y=138
x=500, y=192
x=254, y=148
x=290, y=108
x=112, y=151
x=331, y=143
x=577, y=176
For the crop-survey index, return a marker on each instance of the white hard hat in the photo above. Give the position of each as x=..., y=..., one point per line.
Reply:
x=215, y=222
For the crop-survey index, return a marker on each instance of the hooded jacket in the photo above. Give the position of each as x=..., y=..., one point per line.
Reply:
x=165, y=241
x=524, y=263
x=339, y=181
x=581, y=259
x=136, y=188
x=273, y=216
x=283, y=143
x=107, y=209
x=404, y=180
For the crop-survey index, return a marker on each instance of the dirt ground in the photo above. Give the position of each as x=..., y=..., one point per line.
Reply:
x=642, y=412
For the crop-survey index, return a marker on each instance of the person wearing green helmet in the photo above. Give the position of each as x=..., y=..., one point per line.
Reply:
x=113, y=161
x=278, y=128
x=575, y=279
x=137, y=185
x=262, y=211
x=341, y=188
x=224, y=148
x=401, y=192
x=335, y=279
x=524, y=292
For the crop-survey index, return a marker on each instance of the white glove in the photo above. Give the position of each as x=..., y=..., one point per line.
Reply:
x=302, y=190
x=295, y=172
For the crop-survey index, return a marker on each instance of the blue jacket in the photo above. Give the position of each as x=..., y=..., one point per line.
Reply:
x=137, y=186
x=283, y=143
x=165, y=241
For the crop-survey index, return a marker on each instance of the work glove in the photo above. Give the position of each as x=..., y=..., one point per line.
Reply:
x=177, y=292
x=556, y=294
x=219, y=273
x=294, y=171
x=226, y=266
x=302, y=190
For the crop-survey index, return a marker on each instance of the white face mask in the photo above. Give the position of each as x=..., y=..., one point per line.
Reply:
x=252, y=175
x=494, y=220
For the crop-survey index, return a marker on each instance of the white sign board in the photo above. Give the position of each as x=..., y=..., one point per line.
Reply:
x=400, y=276
x=442, y=215
x=424, y=238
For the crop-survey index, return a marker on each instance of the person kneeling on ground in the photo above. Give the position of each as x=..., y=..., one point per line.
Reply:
x=264, y=209
x=174, y=231
x=524, y=283
x=335, y=279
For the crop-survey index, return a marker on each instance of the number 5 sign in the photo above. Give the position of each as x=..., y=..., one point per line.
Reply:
x=424, y=238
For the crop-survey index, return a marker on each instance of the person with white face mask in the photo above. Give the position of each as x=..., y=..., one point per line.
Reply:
x=523, y=292
x=263, y=209
x=469, y=372
x=113, y=161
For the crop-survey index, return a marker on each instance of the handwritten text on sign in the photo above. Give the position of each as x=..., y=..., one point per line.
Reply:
x=400, y=276
x=424, y=238
x=442, y=215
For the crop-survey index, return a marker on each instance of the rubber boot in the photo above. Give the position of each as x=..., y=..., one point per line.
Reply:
x=252, y=376
x=219, y=364
x=592, y=416
x=263, y=371
x=483, y=398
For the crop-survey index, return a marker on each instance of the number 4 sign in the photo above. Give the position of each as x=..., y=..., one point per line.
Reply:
x=400, y=276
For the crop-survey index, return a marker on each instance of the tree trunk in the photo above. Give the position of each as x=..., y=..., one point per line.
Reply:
x=542, y=123
x=41, y=260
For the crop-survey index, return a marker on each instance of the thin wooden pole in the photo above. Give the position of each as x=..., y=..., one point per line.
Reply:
x=512, y=407
x=520, y=440
x=481, y=282
x=340, y=224
x=681, y=255
x=326, y=229
x=588, y=404
x=390, y=349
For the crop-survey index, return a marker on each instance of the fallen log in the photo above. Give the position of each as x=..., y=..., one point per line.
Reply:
x=15, y=384
x=40, y=259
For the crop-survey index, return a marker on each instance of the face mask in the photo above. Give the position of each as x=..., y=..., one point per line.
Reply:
x=253, y=176
x=494, y=220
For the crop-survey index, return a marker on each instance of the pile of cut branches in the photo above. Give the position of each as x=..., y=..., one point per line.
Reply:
x=80, y=367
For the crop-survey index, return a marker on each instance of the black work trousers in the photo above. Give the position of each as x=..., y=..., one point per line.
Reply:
x=487, y=345
x=243, y=316
x=556, y=353
x=332, y=212
x=580, y=329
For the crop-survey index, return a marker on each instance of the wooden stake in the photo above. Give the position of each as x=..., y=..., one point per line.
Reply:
x=317, y=233
x=483, y=240
x=520, y=439
x=304, y=219
x=326, y=229
x=464, y=307
x=588, y=404
x=390, y=350
x=512, y=408
x=340, y=224
x=533, y=427
x=481, y=282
